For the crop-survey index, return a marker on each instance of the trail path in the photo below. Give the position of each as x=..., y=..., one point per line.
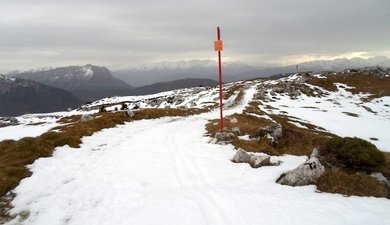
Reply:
x=164, y=171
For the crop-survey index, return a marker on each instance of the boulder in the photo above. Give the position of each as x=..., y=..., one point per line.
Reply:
x=304, y=174
x=257, y=161
x=241, y=156
x=86, y=117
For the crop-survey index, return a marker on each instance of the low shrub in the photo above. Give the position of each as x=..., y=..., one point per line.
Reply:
x=354, y=153
x=351, y=183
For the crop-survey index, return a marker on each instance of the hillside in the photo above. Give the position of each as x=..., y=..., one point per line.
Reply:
x=87, y=82
x=126, y=166
x=19, y=96
x=173, y=85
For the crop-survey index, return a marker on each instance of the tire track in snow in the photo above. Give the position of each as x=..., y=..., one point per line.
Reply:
x=189, y=169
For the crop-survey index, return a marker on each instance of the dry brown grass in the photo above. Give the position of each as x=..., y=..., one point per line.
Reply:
x=351, y=183
x=385, y=170
x=231, y=90
x=376, y=85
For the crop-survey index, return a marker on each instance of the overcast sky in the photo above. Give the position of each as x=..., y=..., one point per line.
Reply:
x=115, y=33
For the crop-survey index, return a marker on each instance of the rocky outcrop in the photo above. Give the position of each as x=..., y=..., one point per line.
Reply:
x=255, y=161
x=8, y=121
x=273, y=132
x=304, y=174
x=222, y=137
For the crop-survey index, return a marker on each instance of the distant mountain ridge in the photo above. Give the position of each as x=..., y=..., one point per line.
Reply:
x=172, y=85
x=233, y=71
x=87, y=82
x=19, y=96
x=168, y=71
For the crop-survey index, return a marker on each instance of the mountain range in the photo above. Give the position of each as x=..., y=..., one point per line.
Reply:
x=19, y=96
x=233, y=71
x=89, y=83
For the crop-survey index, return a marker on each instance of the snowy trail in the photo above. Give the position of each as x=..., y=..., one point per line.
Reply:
x=164, y=171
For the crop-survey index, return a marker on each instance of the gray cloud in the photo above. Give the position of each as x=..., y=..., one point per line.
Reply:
x=50, y=33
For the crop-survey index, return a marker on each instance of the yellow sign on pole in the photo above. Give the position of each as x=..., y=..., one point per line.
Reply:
x=218, y=46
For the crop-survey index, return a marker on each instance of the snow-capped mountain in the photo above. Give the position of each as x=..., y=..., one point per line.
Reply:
x=343, y=63
x=19, y=96
x=167, y=71
x=233, y=71
x=88, y=82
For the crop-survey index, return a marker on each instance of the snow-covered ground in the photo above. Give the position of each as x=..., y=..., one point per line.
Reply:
x=340, y=112
x=30, y=126
x=164, y=171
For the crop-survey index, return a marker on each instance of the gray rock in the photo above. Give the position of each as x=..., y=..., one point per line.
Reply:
x=130, y=113
x=224, y=136
x=382, y=179
x=241, y=156
x=304, y=174
x=236, y=131
x=276, y=130
x=314, y=153
x=257, y=161
x=86, y=117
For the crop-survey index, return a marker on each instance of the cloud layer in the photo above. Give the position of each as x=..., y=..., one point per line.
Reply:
x=117, y=33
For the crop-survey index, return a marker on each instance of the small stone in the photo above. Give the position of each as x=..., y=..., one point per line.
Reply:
x=314, y=153
x=86, y=117
x=236, y=131
x=241, y=156
x=130, y=113
x=380, y=178
x=224, y=136
x=233, y=120
x=257, y=161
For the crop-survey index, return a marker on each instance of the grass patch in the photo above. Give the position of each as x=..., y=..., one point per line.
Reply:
x=371, y=83
x=351, y=183
x=231, y=90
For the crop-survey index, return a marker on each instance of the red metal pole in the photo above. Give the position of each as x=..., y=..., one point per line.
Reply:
x=220, y=84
